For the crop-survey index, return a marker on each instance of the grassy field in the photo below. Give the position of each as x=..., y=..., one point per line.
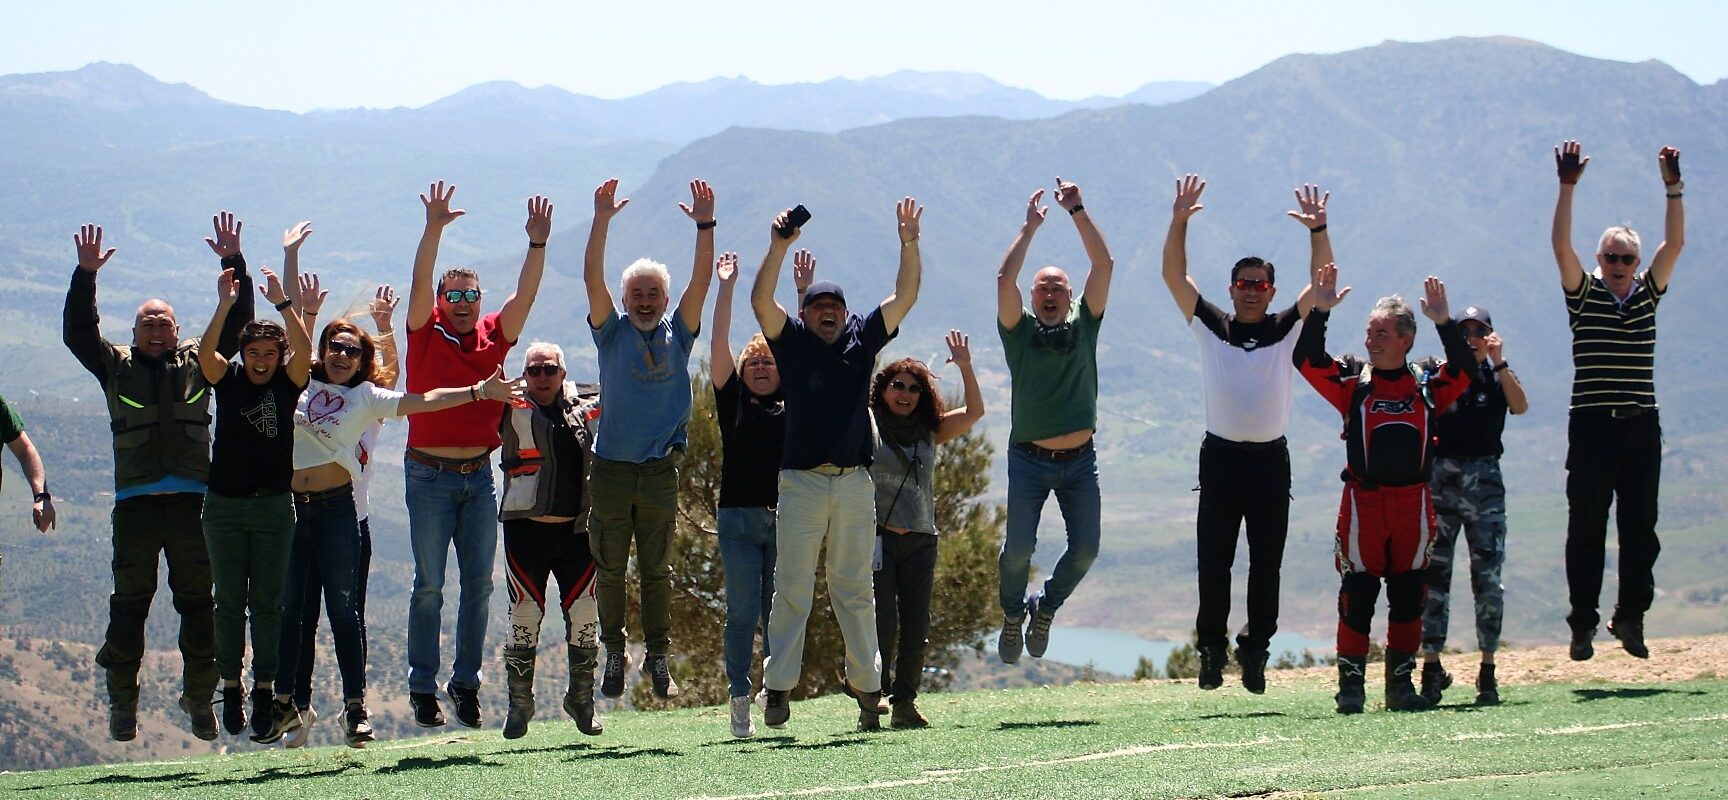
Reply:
x=1155, y=739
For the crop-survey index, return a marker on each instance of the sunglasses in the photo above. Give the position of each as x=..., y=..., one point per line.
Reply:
x=1252, y=284
x=902, y=386
x=541, y=370
x=1476, y=331
x=344, y=349
x=1619, y=258
x=461, y=295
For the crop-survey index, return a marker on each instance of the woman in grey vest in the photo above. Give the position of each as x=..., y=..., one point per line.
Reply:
x=910, y=422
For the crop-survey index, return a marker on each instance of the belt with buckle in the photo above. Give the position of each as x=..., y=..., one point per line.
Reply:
x=1065, y=454
x=833, y=471
x=303, y=498
x=1629, y=412
x=461, y=466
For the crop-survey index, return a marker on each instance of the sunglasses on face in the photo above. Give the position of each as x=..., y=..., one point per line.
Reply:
x=344, y=349
x=541, y=370
x=1476, y=331
x=1619, y=258
x=909, y=388
x=1252, y=284
x=461, y=295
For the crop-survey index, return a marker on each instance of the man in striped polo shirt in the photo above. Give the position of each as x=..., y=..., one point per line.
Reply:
x=1614, y=436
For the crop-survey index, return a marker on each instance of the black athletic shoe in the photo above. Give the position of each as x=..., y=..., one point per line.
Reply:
x=1211, y=666
x=233, y=710
x=283, y=716
x=1435, y=680
x=123, y=721
x=1630, y=632
x=427, y=713
x=612, y=679
x=467, y=702
x=660, y=680
x=1253, y=664
x=1487, y=688
x=263, y=717
x=203, y=718
x=776, y=709
x=1582, y=649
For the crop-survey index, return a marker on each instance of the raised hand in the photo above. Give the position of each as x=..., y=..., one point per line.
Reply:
x=783, y=222
x=293, y=237
x=607, y=204
x=959, y=349
x=726, y=268
x=437, y=201
x=1434, y=301
x=701, y=207
x=1188, y=190
x=1669, y=161
x=1067, y=195
x=1570, y=161
x=539, y=225
x=311, y=294
x=383, y=307
x=88, y=242
x=909, y=213
x=803, y=270
x=227, y=289
x=227, y=241
x=1034, y=212
x=272, y=288
x=1310, y=206
x=498, y=387
x=1327, y=295
x=1495, y=346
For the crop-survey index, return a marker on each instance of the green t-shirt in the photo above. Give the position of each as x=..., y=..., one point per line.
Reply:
x=1054, y=374
x=10, y=425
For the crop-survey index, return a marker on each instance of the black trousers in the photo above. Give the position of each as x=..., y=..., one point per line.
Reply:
x=145, y=528
x=536, y=552
x=904, y=584
x=313, y=601
x=1611, y=461
x=1241, y=483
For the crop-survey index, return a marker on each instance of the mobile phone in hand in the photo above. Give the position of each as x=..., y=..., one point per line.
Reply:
x=795, y=219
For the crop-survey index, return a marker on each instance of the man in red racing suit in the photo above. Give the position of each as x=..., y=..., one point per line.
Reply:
x=1385, y=519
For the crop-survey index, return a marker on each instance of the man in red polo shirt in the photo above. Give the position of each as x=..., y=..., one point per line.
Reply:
x=449, y=487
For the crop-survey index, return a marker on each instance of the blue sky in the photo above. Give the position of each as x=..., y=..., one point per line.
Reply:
x=346, y=53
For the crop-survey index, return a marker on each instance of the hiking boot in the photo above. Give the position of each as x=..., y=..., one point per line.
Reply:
x=283, y=717
x=873, y=702
x=1435, y=680
x=1010, y=642
x=427, y=713
x=357, y=725
x=906, y=715
x=263, y=717
x=202, y=716
x=869, y=721
x=1037, y=626
x=1351, y=697
x=467, y=702
x=1401, y=694
x=743, y=726
x=1487, y=689
x=519, y=680
x=233, y=710
x=1582, y=649
x=778, y=708
x=1630, y=632
x=123, y=720
x=298, y=738
x=1253, y=664
x=659, y=669
x=612, y=683
x=579, y=698
x=1211, y=666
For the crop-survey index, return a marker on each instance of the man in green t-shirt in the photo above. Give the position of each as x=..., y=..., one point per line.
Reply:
x=1052, y=351
x=13, y=435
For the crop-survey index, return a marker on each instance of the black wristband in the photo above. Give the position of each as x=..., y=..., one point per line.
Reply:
x=709, y=225
x=1076, y=209
x=43, y=497
x=536, y=245
x=1676, y=195
x=1321, y=228
x=1502, y=366
x=284, y=304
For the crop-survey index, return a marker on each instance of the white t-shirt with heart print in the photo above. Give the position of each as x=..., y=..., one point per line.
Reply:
x=330, y=420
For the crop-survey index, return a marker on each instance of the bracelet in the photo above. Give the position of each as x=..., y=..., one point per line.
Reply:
x=707, y=226
x=473, y=393
x=1502, y=366
x=43, y=497
x=536, y=245
x=909, y=242
x=310, y=312
x=1076, y=209
x=1321, y=228
x=1676, y=195
x=1676, y=187
x=284, y=304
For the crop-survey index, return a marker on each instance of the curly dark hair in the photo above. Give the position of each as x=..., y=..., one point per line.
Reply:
x=930, y=406
x=263, y=330
x=368, y=361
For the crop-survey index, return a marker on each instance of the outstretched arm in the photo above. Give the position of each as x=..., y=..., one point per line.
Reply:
x=897, y=305
x=769, y=314
x=80, y=326
x=497, y=388
x=383, y=309
x=1008, y=275
x=720, y=363
x=425, y=283
x=1569, y=162
x=606, y=206
x=307, y=299
x=30, y=461
x=957, y=421
x=701, y=212
x=1097, y=291
x=1176, y=278
x=514, y=315
x=299, y=363
x=212, y=363
x=291, y=241
x=1311, y=212
x=226, y=245
x=1673, y=220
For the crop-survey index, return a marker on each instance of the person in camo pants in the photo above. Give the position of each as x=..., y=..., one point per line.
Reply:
x=1470, y=496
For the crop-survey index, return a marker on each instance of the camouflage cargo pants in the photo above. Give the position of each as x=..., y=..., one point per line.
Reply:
x=1470, y=496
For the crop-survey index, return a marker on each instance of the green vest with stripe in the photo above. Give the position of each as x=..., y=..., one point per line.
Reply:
x=159, y=412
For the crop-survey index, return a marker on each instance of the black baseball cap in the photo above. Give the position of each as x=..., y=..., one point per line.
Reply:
x=1475, y=314
x=820, y=289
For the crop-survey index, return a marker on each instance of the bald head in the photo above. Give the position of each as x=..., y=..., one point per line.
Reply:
x=1051, y=296
x=154, y=328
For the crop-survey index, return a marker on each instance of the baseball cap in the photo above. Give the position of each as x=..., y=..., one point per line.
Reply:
x=820, y=289
x=1475, y=314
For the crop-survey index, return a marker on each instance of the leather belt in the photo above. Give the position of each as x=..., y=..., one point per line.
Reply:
x=1066, y=454
x=1213, y=439
x=456, y=465
x=303, y=498
x=832, y=471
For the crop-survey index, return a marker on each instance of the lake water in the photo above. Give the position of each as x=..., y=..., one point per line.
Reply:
x=1119, y=652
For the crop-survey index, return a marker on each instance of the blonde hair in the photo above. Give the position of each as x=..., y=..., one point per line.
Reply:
x=757, y=346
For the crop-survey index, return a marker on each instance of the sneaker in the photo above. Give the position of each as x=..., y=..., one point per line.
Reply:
x=233, y=710
x=869, y=721
x=123, y=721
x=778, y=708
x=1487, y=688
x=1211, y=666
x=467, y=703
x=357, y=726
x=906, y=716
x=427, y=713
x=1253, y=663
x=263, y=717
x=203, y=718
x=1037, y=627
x=743, y=726
x=612, y=680
x=1630, y=632
x=659, y=669
x=1009, y=644
x=1435, y=680
x=298, y=738
x=283, y=717
x=873, y=702
x=1582, y=649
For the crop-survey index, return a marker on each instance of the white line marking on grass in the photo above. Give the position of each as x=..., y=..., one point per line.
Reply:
x=1577, y=729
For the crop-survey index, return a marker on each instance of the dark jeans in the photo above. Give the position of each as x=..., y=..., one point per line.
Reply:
x=1611, y=461
x=145, y=528
x=249, y=539
x=534, y=552
x=1241, y=482
x=634, y=503
x=310, y=603
x=326, y=542
x=904, y=583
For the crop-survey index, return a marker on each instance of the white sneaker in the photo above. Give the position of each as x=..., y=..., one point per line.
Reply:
x=743, y=726
x=298, y=736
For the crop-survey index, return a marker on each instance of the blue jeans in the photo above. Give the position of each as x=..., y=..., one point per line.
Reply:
x=326, y=545
x=747, y=556
x=1031, y=479
x=312, y=606
x=445, y=507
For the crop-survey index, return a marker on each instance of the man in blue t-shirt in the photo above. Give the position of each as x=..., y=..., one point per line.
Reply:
x=826, y=358
x=644, y=409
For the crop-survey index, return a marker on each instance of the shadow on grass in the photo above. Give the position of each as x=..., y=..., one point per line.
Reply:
x=557, y=748
x=279, y=773
x=117, y=780
x=1246, y=715
x=828, y=745
x=1053, y=723
x=754, y=740
x=622, y=754
x=1590, y=695
x=427, y=762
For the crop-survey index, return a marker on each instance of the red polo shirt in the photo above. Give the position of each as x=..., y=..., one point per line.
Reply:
x=438, y=357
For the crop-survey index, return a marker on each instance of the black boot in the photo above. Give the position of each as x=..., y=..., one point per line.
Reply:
x=579, y=700
x=1435, y=680
x=1211, y=666
x=1487, y=689
x=1401, y=694
x=519, y=678
x=1630, y=631
x=1351, y=696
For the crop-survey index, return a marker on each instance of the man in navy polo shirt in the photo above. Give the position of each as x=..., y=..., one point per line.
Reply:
x=827, y=358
